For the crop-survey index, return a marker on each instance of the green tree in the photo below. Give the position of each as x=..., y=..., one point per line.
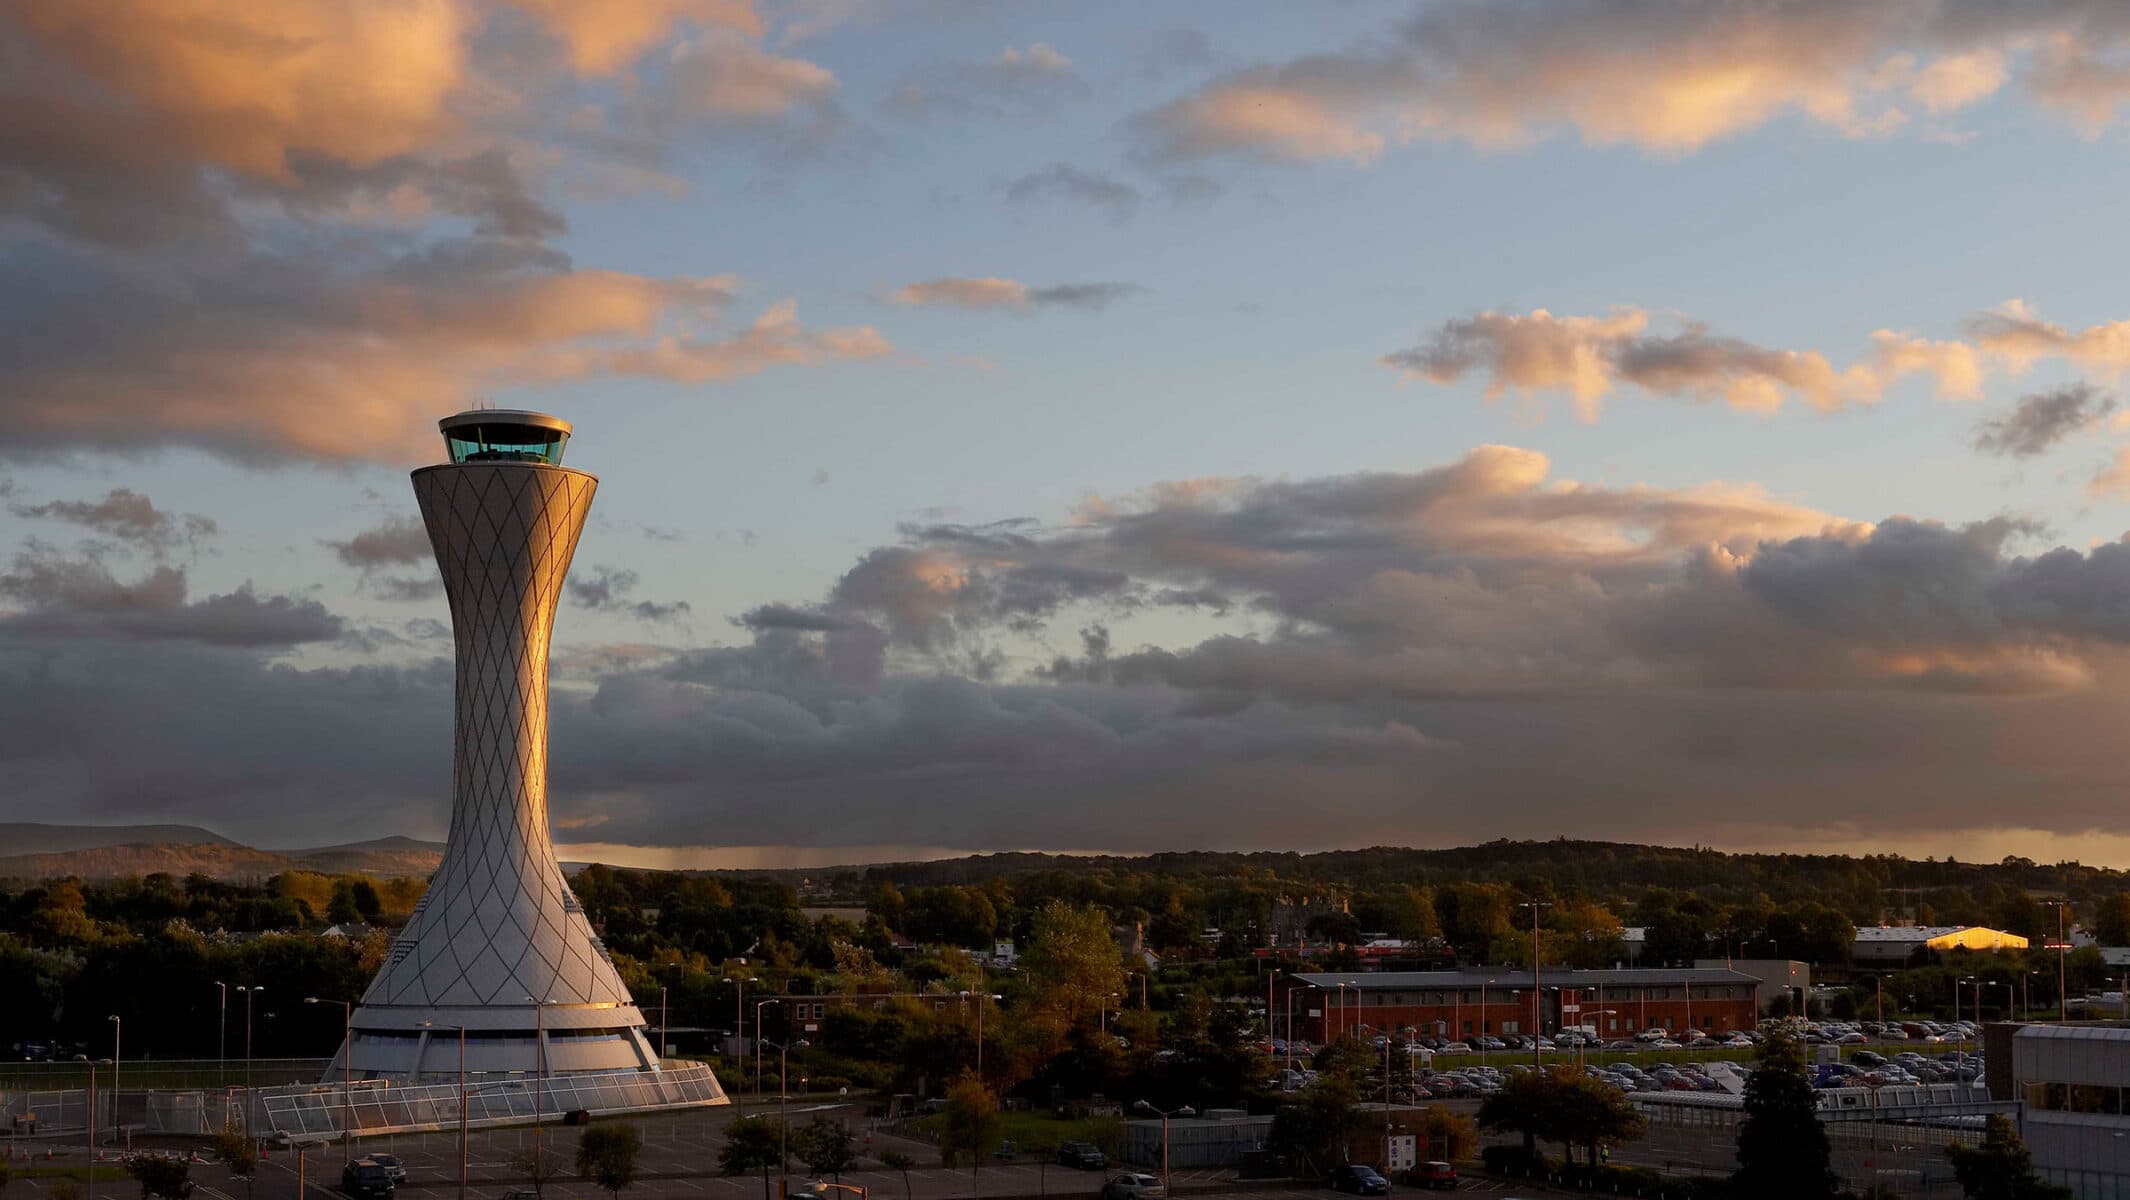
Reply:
x=1319, y=1122
x=65, y=1189
x=239, y=1152
x=896, y=1160
x=1447, y=1135
x=607, y=1154
x=1519, y=1107
x=2000, y=1168
x=1590, y=1114
x=170, y=1178
x=2111, y=920
x=969, y=1127
x=367, y=903
x=825, y=1146
x=1072, y=966
x=752, y=1143
x=1782, y=1147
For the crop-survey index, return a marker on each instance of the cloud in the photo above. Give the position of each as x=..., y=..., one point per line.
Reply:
x=2041, y=420
x=1646, y=73
x=2015, y=332
x=1015, y=83
x=992, y=293
x=399, y=542
x=1588, y=358
x=300, y=231
x=1462, y=644
x=607, y=589
x=128, y=516
x=347, y=352
x=80, y=598
x=1065, y=183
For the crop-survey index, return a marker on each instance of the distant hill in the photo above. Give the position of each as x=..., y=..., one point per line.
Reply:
x=32, y=851
x=25, y=837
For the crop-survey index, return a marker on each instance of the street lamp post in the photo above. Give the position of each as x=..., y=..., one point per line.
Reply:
x=783, y=1094
x=462, y=1100
x=221, y=1052
x=248, y=993
x=1538, y=1018
x=1185, y=1111
x=540, y=1008
x=983, y=1000
x=2063, y=950
x=347, y=1074
x=759, y=1005
x=662, y=1021
x=1290, y=1028
x=117, y=1127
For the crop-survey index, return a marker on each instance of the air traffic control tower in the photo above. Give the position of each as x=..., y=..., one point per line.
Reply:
x=499, y=946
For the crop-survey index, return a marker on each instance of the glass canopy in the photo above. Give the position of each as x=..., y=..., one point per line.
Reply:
x=499, y=435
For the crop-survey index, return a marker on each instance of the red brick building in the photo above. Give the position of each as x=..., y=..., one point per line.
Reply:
x=1475, y=1000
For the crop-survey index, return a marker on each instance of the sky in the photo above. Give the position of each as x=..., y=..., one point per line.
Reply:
x=1096, y=427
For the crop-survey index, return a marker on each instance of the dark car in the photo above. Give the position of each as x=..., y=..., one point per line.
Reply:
x=390, y=1162
x=1360, y=1180
x=1436, y=1176
x=367, y=1177
x=1082, y=1155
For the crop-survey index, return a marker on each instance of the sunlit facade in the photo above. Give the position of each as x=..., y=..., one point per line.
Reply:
x=498, y=946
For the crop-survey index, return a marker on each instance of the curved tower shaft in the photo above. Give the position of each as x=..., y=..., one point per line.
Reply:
x=498, y=944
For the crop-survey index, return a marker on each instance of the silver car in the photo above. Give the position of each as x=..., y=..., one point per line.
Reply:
x=1133, y=1186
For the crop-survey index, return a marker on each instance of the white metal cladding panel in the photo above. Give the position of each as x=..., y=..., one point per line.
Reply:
x=499, y=924
x=2091, y=1144
x=2072, y=1054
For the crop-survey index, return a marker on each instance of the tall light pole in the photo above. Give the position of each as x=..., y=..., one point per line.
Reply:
x=347, y=1074
x=1185, y=1111
x=117, y=1127
x=759, y=1005
x=983, y=1000
x=539, y=1089
x=739, y=1013
x=221, y=1052
x=1538, y=1017
x=248, y=993
x=462, y=1101
x=2063, y=970
x=662, y=1014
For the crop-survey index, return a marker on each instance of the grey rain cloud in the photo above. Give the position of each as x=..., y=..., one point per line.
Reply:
x=1450, y=650
x=1063, y=183
x=2041, y=420
x=399, y=542
x=128, y=516
x=608, y=589
x=80, y=598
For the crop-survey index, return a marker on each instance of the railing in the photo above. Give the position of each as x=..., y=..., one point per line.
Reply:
x=378, y=1106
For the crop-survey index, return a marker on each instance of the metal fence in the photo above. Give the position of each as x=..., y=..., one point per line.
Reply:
x=379, y=1106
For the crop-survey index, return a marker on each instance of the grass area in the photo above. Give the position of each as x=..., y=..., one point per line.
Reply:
x=105, y=1172
x=1029, y=1131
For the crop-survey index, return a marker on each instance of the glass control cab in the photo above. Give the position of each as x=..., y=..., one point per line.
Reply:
x=486, y=435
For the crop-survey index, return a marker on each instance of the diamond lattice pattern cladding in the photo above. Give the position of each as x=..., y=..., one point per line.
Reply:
x=499, y=923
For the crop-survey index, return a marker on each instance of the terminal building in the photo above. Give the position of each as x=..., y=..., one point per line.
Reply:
x=1475, y=1001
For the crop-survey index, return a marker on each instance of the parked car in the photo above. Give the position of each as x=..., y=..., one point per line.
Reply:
x=1360, y=1180
x=1133, y=1185
x=390, y=1162
x=1436, y=1176
x=367, y=1177
x=1081, y=1155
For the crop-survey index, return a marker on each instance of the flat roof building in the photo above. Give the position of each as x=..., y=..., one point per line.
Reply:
x=1906, y=943
x=1476, y=1001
